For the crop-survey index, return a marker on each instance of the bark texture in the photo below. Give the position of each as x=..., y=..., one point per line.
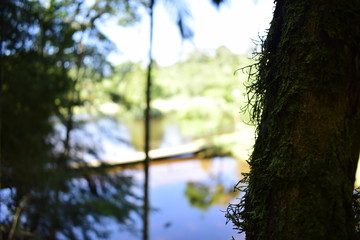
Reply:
x=307, y=103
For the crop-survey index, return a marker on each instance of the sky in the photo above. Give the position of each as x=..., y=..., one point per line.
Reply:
x=233, y=25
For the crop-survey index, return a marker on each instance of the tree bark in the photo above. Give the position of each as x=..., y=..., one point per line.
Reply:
x=308, y=106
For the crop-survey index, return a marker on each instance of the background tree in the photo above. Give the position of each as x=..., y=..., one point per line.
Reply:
x=306, y=102
x=186, y=33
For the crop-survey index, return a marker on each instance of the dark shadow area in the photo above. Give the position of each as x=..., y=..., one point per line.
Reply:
x=72, y=209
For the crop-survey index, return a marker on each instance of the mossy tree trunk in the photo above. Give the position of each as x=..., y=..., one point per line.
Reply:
x=307, y=103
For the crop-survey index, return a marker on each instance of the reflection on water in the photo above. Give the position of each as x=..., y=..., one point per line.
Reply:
x=69, y=208
x=188, y=198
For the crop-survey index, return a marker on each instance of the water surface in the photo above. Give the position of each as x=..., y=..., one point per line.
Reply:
x=188, y=199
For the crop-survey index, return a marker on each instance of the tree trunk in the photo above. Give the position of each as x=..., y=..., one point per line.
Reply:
x=147, y=126
x=307, y=102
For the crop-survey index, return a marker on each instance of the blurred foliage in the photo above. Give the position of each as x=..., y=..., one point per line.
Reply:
x=203, y=195
x=73, y=209
x=187, y=91
x=53, y=71
x=203, y=74
x=51, y=54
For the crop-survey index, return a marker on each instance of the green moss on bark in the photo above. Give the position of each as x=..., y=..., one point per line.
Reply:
x=307, y=107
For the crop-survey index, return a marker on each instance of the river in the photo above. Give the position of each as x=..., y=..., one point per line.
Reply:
x=188, y=196
x=188, y=199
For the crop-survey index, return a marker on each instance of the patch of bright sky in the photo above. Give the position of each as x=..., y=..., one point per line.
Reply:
x=234, y=25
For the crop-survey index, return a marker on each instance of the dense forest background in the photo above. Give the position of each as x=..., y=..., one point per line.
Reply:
x=188, y=91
